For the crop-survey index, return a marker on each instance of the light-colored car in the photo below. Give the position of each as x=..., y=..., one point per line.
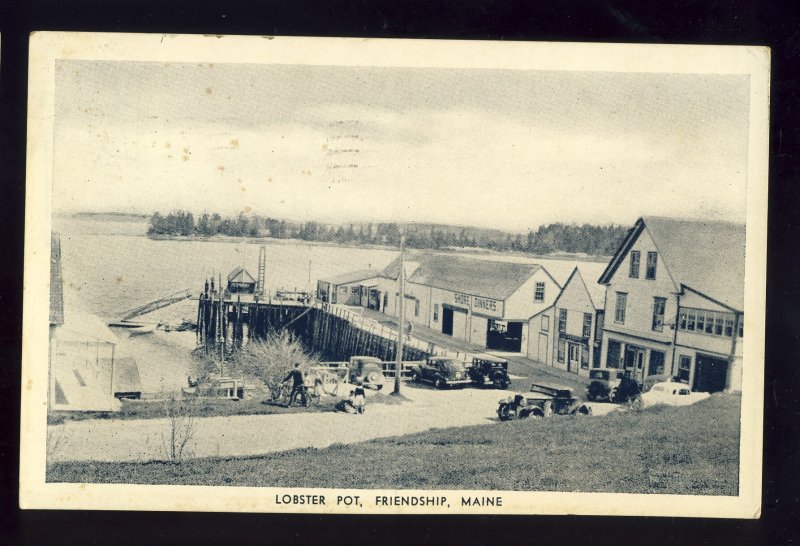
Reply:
x=670, y=393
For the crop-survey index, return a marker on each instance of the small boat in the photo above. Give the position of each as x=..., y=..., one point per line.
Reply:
x=142, y=329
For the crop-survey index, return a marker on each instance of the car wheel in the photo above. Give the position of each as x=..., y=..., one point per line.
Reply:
x=504, y=412
x=439, y=383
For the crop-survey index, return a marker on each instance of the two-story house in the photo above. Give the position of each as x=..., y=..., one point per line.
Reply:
x=675, y=303
x=568, y=334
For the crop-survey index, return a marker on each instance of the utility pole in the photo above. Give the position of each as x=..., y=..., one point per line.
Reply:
x=402, y=322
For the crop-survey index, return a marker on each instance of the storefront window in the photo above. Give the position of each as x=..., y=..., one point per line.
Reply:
x=585, y=358
x=656, y=363
x=614, y=353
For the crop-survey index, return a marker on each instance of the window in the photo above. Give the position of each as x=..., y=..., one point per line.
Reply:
x=701, y=317
x=587, y=325
x=416, y=308
x=652, y=260
x=684, y=365
x=539, y=294
x=354, y=290
x=545, y=323
x=659, y=304
x=741, y=326
x=619, y=312
x=690, y=316
x=585, y=358
x=713, y=323
x=561, y=350
x=710, y=319
x=635, y=259
x=385, y=300
x=656, y=363
x=682, y=320
x=435, y=312
x=562, y=320
x=614, y=354
x=718, y=325
x=728, y=327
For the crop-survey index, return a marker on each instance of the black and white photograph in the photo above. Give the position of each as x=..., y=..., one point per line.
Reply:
x=273, y=274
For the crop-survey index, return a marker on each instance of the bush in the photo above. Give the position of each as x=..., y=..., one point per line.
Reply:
x=271, y=359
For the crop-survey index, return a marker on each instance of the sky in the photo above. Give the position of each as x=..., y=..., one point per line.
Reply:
x=508, y=149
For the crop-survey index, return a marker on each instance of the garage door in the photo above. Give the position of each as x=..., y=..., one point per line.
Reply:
x=710, y=373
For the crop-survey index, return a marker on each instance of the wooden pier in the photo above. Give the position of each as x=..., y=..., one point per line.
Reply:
x=226, y=322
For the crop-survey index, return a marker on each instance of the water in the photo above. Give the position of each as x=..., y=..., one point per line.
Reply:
x=110, y=266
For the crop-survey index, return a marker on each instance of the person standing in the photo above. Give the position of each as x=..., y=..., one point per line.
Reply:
x=298, y=384
x=360, y=399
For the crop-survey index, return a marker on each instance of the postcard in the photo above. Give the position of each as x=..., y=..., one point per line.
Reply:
x=373, y=276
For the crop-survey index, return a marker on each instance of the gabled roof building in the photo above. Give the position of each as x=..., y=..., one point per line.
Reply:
x=568, y=334
x=675, y=303
x=485, y=302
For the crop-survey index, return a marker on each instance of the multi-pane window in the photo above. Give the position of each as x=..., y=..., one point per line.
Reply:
x=635, y=259
x=435, y=312
x=614, y=354
x=656, y=363
x=587, y=324
x=562, y=320
x=561, y=346
x=684, y=367
x=538, y=295
x=713, y=323
x=652, y=261
x=659, y=304
x=545, y=323
x=354, y=290
x=619, y=311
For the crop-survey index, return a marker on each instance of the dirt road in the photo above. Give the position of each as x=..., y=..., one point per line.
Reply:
x=237, y=436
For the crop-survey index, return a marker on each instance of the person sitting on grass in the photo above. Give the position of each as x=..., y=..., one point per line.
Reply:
x=360, y=399
x=298, y=384
x=348, y=405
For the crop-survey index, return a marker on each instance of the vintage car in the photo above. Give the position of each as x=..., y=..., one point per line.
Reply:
x=543, y=400
x=603, y=384
x=366, y=370
x=442, y=372
x=486, y=371
x=670, y=393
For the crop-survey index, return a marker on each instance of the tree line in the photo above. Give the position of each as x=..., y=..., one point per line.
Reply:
x=558, y=237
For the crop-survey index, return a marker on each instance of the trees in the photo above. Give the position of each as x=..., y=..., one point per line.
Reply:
x=557, y=237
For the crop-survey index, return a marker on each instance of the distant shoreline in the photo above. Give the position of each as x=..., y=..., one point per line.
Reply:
x=372, y=246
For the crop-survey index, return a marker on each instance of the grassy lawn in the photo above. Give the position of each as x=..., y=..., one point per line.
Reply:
x=690, y=450
x=208, y=407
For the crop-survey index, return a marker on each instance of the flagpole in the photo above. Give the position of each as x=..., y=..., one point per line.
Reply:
x=402, y=321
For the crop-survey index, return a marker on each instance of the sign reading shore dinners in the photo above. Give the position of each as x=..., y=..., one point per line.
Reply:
x=481, y=306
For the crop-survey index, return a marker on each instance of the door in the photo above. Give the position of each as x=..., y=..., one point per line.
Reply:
x=710, y=374
x=543, y=348
x=634, y=361
x=573, y=357
x=447, y=321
